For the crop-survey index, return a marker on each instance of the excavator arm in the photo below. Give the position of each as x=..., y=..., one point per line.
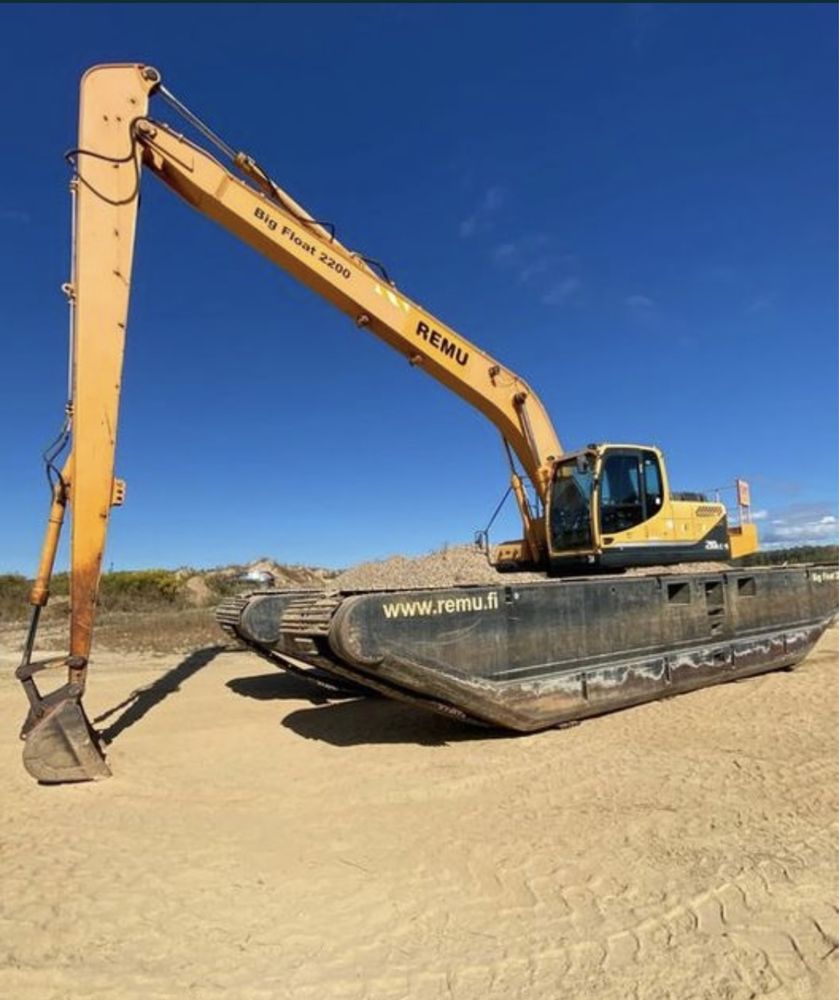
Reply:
x=117, y=141
x=270, y=222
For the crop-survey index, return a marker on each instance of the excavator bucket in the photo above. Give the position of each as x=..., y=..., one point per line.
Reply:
x=62, y=746
x=60, y=743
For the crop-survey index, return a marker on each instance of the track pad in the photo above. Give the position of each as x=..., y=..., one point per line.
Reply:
x=62, y=746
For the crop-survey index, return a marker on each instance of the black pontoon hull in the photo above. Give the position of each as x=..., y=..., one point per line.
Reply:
x=530, y=656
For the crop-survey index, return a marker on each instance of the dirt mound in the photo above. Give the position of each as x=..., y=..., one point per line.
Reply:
x=269, y=573
x=285, y=575
x=196, y=592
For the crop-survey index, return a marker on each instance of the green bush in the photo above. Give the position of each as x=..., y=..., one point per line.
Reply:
x=137, y=590
x=223, y=584
x=14, y=591
x=795, y=554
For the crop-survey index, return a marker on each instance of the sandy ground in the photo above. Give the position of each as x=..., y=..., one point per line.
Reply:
x=259, y=843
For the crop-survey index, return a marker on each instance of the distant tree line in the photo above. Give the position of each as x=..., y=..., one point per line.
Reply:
x=795, y=554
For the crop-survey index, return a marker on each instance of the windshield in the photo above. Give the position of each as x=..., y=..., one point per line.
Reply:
x=570, y=508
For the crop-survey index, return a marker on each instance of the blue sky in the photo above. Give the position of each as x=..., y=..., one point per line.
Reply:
x=634, y=207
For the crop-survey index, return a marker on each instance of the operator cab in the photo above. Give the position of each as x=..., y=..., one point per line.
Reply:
x=601, y=502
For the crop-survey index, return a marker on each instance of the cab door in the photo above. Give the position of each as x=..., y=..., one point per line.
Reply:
x=570, y=530
x=630, y=495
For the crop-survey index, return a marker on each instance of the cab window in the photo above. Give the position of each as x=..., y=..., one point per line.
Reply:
x=653, y=492
x=621, y=495
x=630, y=490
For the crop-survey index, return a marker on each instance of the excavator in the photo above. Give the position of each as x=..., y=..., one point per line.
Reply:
x=638, y=599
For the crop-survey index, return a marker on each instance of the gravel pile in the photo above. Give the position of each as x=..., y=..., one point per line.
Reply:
x=449, y=567
x=462, y=564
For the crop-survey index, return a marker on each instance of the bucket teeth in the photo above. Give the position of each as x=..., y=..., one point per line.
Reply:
x=62, y=746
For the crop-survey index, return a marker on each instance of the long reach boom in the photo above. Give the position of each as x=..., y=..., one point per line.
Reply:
x=117, y=141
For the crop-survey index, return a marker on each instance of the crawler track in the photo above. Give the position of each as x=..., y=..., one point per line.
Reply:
x=334, y=678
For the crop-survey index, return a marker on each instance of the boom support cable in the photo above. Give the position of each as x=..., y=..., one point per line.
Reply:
x=196, y=122
x=284, y=200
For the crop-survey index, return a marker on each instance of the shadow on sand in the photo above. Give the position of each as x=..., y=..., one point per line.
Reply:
x=341, y=718
x=345, y=719
x=281, y=686
x=140, y=702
